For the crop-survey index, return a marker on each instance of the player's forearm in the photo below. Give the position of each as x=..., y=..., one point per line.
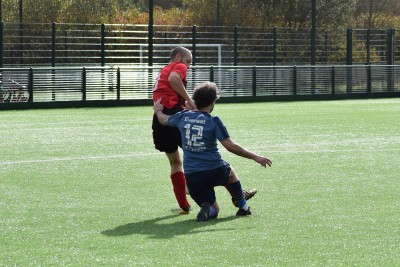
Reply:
x=242, y=152
x=180, y=90
x=237, y=149
x=177, y=85
x=162, y=118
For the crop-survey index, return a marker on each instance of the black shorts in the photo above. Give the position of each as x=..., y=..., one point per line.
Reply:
x=201, y=184
x=166, y=139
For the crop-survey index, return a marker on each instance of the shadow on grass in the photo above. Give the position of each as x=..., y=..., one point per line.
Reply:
x=160, y=228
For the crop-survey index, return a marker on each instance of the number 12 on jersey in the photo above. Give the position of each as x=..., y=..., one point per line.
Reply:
x=194, y=135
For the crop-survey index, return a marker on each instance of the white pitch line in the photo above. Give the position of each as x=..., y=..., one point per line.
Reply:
x=77, y=158
x=97, y=121
x=258, y=150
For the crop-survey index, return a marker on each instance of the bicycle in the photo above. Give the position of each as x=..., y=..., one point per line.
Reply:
x=15, y=92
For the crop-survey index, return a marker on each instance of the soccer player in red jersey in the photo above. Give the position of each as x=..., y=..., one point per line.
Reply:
x=170, y=85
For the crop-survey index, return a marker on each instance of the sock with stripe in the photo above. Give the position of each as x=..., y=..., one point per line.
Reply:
x=213, y=213
x=236, y=191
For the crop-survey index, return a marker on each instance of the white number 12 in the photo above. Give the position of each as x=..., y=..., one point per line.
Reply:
x=194, y=139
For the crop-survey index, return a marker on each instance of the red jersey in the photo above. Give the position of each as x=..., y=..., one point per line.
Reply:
x=162, y=88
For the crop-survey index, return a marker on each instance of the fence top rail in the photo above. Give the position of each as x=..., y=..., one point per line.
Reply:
x=137, y=67
x=189, y=26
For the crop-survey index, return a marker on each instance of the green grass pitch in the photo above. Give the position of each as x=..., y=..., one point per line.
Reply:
x=85, y=187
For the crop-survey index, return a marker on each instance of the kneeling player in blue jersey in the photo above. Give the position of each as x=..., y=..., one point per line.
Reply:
x=202, y=162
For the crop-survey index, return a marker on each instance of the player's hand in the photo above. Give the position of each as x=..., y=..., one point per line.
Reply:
x=191, y=105
x=158, y=106
x=263, y=161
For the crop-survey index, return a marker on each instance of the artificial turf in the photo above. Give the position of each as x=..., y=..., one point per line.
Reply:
x=85, y=187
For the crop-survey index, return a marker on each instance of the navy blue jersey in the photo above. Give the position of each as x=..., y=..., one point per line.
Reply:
x=200, y=132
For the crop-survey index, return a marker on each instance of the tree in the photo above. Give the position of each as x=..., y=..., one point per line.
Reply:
x=279, y=13
x=89, y=11
x=76, y=11
x=168, y=4
x=42, y=11
x=377, y=14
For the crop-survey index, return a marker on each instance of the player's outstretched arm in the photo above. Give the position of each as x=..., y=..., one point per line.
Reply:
x=158, y=107
x=240, y=151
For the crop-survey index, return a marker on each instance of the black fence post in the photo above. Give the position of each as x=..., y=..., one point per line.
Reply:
x=30, y=85
x=349, y=79
x=369, y=46
x=235, y=58
x=84, y=84
x=313, y=79
x=349, y=47
x=369, y=78
x=53, y=44
x=194, y=41
x=274, y=48
x=390, y=59
x=150, y=39
x=53, y=58
x=390, y=46
x=194, y=53
x=349, y=61
x=21, y=40
x=326, y=46
x=254, y=79
x=294, y=80
x=1, y=43
x=274, y=44
x=66, y=48
x=118, y=84
x=313, y=44
x=235, y=45
x=313, y=30
x=333, y=80
x=150, y=33
x=103, y=45
x=212, y=73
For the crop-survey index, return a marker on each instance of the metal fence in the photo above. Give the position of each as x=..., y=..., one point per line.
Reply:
x=60, y=44
x=85, y=84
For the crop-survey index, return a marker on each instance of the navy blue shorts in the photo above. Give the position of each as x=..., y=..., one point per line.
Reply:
x=201, y=184
x=166, y=139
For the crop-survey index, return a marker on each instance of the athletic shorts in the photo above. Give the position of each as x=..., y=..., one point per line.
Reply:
x=166, y=139
x=201, y=184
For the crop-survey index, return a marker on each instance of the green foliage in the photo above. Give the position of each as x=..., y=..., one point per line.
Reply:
x=377, y=14
x=46, y=11
x=245, y=13
x=337, y=13
x=283, y=13
x=82, y=11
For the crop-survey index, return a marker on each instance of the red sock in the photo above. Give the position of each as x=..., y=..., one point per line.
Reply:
x=179, y=184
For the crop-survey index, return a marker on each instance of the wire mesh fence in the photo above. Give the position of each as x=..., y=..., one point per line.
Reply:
x=58, y=44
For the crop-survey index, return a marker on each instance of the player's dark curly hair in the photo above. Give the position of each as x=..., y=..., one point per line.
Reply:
x=205, y=94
